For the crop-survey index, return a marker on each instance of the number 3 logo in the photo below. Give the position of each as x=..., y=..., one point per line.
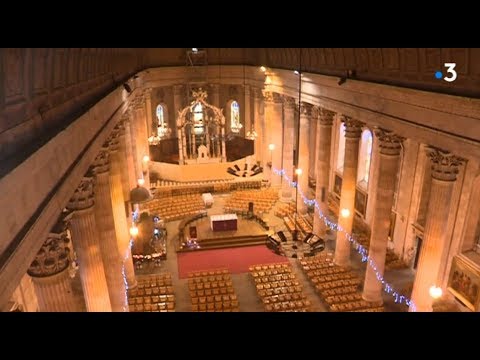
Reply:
x=450, y=69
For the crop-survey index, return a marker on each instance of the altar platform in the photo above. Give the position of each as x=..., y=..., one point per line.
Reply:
x=248, y=233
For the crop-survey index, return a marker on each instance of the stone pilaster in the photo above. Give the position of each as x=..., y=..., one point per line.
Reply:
x=247, y=115
x=128, y=181
x=148, y=112
x=141, y=140
x=312, y=144
x=274, y=113
x=288, y=145
x=258, y=111
x=215, y=95
x=130, y=148
x=50, y=275
x=353, y=130
x=388, y=166
x=444, y=174
x=118, y=208
x=83, y=228
x=106, y=230
x=303, y=156
x=178, y=101
x=322, y=164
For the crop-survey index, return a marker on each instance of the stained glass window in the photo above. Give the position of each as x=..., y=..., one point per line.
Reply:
x=235, y=116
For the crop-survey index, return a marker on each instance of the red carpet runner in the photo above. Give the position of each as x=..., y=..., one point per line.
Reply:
x=237, y=260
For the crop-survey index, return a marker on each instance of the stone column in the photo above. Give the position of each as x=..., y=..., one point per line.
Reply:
x=130, y=151
x=106, y=232
x=215, y=95
x=259, y=124
x=142, y=140
x=444, y=174
x=247, y=118
x=276, y=129
x=353, y=130
x=50, y=275
x=178, y=100
x=128, y=183
x=180, y=146
x=322, y=164
x=303, y=156
x=388, y=166
x=118, y=208
x=222, y=136
x=288, y=145
x=312, y=144
x=148, y=112
x=83, y=228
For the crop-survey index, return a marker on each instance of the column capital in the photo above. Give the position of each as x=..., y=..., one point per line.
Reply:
x=272, y=97
x=389, y=142
x=353, y=128
x=53, y=256
x=247, y=89
x=325, y=117
x=444, y=164
x=113, y=142
x=257, y=93
x=148, y=92
x=178, y=90
x=83, y=196
x=101, y=164
x=306, y=109
x=138, y=102
x=289, y=102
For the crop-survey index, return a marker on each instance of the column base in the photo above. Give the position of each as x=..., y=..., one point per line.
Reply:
x=132, y=284
x=286, y=196
x=342, y=262
x=373, y=299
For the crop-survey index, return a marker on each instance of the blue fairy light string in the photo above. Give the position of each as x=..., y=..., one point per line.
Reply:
x=358, y=247
x=125, y=258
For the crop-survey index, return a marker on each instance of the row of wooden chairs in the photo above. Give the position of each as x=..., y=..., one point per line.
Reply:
x=267, y=267
x=354, y=305
x=280, y=291
x=155, y=299
x=152, y=294
x=268, y=293
x=211, y=278
x=336, y=286
x=203, y=273
x=270, y=278
x=168, y=307
x=212, y=291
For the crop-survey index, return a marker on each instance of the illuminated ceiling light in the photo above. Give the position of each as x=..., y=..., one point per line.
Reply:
x=298, y=171
x=296, y=72
x=146, y=158
x=134, y=231
x=195, y=50
x=435, y=292
x=141, y=182
x=271, y=147
x=263, y=68
x=345, y=213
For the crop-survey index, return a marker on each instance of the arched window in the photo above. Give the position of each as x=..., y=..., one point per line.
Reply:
x=341, y=148
x=198, y=119
x=364, y=158
x=235, y=124
x=161, y=125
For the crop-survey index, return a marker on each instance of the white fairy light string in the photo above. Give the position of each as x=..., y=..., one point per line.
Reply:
x=360, y=248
